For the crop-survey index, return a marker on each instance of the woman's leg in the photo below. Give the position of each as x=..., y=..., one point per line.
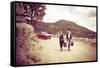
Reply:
x=61, y=44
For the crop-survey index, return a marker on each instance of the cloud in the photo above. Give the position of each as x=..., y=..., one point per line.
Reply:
x=92, y=12
x=84, y=16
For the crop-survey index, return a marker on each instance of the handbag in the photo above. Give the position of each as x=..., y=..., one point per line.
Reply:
x=72, y=43
x=65, y=44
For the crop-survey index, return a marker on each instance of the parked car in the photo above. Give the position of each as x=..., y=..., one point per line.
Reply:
x=43, y=35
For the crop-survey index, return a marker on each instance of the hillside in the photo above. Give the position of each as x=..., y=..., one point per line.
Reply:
x=63, y=25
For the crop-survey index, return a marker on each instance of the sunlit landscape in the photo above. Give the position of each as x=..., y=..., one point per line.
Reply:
x=38, y=28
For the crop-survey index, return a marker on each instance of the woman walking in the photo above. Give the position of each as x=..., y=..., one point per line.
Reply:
x=61, y=41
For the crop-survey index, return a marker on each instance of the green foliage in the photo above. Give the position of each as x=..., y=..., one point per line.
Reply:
x=35, y=40
x=37, y=48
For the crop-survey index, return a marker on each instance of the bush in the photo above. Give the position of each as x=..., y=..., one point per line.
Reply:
x=26, y=45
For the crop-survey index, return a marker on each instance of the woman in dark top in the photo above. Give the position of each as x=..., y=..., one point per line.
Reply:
x=61, y=41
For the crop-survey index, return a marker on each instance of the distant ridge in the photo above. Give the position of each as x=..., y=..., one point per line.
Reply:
x=64, y=25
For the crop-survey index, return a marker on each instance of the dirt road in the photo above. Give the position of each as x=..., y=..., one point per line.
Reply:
x=81, y=51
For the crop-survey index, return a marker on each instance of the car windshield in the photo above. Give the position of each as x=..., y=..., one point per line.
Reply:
x=44, y=32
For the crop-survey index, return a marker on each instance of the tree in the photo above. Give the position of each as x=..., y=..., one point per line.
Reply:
x=31, y=11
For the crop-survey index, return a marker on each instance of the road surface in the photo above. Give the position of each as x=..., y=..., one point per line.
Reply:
x=81, y=51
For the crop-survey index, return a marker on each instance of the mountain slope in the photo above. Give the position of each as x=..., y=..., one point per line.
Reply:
x=63, y=25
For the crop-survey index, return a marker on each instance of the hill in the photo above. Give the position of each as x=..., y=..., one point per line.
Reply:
x=64, y=25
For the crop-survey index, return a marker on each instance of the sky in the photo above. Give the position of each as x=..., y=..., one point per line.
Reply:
x=84, y=16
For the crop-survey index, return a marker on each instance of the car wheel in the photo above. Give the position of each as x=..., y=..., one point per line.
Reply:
x=49, y=37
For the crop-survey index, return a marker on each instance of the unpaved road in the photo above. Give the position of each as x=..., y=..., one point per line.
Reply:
x=81, y=51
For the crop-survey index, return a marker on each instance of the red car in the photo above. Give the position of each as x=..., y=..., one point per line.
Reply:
x=43, y=35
